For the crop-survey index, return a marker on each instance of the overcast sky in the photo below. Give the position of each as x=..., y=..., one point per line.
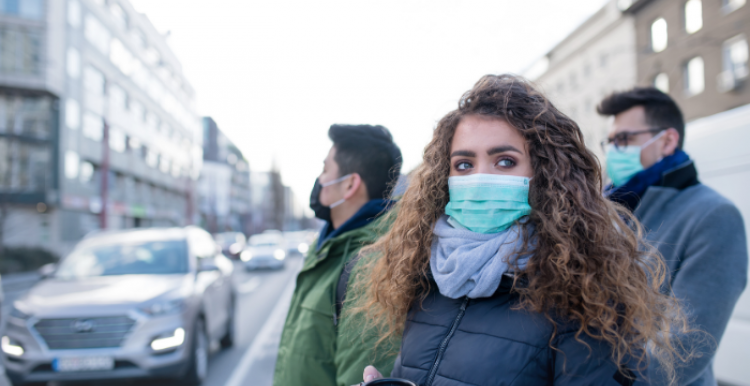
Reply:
x=276, y=74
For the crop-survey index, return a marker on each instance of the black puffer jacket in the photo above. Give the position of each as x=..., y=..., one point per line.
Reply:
x=459, y=342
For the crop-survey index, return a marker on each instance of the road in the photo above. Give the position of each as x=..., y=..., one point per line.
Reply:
x=263, y=299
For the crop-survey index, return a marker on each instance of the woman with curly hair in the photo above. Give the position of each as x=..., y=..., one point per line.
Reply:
x=504, y=264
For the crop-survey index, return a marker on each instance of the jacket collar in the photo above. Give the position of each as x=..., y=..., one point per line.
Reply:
x=365, y=215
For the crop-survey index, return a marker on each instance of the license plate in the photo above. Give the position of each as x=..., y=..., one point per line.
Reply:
x=94, y=363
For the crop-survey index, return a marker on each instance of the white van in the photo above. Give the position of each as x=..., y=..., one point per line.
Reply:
x=720, y=147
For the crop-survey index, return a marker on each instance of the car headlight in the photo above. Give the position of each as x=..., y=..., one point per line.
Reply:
x=279, y=254
x=165, y=342
x=11, y=347
x=235, y=248
x=164, y=307
x=16, y=313
x=303, y=248
x=246, y=255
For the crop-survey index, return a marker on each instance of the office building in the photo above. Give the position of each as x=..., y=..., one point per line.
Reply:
x=695, y=50
x=596, y=59
x=91, y=92
x=224, y=183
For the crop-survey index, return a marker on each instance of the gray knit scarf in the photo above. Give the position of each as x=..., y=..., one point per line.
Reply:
x=466, y=263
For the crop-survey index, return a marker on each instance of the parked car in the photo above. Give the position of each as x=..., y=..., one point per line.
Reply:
x=125, y=304
x=265, y=250
x=297, y=242
x=231, y=243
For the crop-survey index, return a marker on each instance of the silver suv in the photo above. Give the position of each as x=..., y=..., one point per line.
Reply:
x=127, y=304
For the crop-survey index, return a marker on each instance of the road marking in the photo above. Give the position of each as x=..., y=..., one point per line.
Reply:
x=249, y=286
x=255, y=350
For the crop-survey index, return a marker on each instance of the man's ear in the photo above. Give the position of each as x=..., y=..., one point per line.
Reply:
x=353, y=185
x=671, y=142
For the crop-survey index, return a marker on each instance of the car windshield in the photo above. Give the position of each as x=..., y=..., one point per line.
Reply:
x=227, y=239
x=147, y=258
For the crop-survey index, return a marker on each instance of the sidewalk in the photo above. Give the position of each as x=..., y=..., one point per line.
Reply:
x=257, y=364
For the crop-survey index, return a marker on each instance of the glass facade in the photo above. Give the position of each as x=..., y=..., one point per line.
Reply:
x=26, y=144
x=20, y=51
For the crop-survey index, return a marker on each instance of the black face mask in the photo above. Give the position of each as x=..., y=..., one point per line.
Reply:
x=321, y=211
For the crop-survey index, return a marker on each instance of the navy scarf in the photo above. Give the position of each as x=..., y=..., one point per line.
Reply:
x=631, y=192
x=366, y=214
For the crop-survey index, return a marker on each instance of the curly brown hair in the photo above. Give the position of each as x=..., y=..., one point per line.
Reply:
x=589, y=261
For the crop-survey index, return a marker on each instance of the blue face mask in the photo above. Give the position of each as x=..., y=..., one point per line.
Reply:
x=625, y=162
x=487, y=203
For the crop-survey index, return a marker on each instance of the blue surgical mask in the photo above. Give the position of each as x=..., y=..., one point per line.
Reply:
x=625, y=162
x=487, y=203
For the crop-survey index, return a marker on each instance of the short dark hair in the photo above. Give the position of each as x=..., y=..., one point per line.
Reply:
x=370, y=152
x=661, y=109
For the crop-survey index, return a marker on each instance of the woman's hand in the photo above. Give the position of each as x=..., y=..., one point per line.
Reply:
x=371, y=374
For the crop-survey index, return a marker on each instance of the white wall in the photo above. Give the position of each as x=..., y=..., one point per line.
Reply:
x=719, y=146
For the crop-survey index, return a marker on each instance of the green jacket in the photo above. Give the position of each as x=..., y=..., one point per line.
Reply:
x=315, y=348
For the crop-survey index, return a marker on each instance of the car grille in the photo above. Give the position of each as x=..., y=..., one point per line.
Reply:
x=100, y=332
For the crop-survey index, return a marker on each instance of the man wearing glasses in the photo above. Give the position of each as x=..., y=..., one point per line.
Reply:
x=699, y=233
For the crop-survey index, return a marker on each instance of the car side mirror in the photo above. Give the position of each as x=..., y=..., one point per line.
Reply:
x=206, y=265
x=47, y=270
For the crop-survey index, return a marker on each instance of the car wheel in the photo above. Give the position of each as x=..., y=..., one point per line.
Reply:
x=228, y=339
x=198, y=365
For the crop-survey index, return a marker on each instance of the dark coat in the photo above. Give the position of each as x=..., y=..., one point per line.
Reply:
x=461, y=342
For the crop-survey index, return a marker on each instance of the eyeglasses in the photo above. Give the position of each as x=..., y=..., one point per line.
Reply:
x=621, y=140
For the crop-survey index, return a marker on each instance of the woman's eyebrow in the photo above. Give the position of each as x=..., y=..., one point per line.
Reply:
x=464, y=153
x=501, y=149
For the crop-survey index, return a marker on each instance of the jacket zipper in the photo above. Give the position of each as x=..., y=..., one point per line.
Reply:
x=444, y=343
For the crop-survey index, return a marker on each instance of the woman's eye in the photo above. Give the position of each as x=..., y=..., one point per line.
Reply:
x=463, y=166
x=506, y=163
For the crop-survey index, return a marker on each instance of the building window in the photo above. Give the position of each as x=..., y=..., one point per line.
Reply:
x=693, y=16
x=134, y=144
x=26, y=116
x=92, y=126
x=20, y=51
x=661, y=82
x=139, y=38
x=117, y=140
x=603, y=59
x=73, y=63
x=94, y=84
x=74, y=13
x=152, y=158
x=659, y=35
x=71, y=164
x=735, y=56
x=27, y=9
x=122, y=58
x=694, y=76
x=72, y=114
x=87, y=172
x=164, y=164
x=119, y=14
x=118, y=99
x=136, y=110
x=730, y=5
x=97, y=34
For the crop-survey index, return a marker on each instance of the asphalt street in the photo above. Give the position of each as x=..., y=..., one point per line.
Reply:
x=263, y=300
